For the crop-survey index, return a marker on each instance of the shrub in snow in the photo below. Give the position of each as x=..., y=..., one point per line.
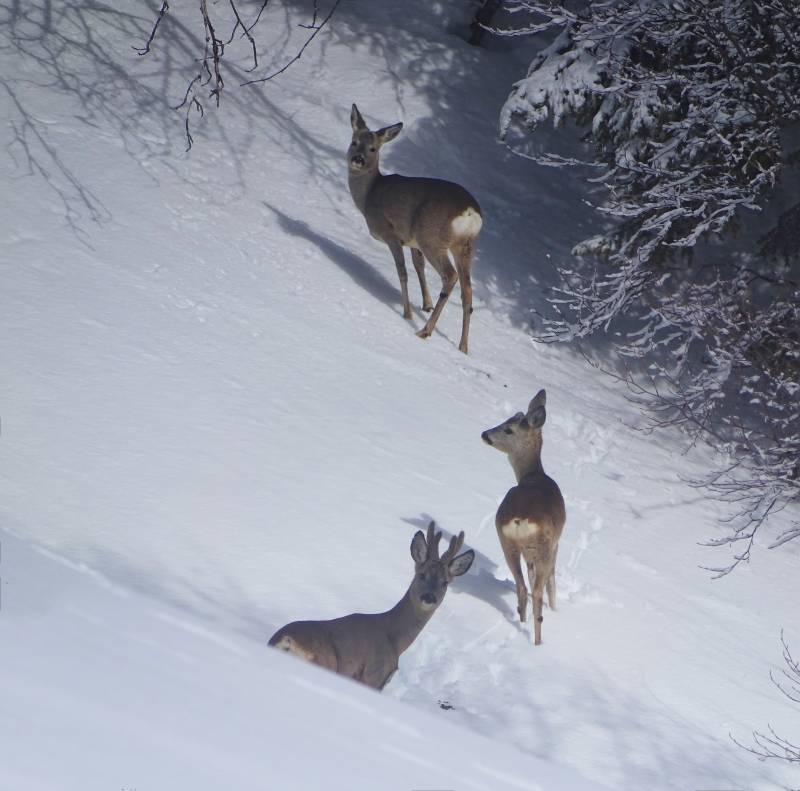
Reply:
x=685, y=104
x=771, y=744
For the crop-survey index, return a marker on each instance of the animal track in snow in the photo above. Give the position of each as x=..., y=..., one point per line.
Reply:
x=571, y=589
x=589, y=442
x=585, y=537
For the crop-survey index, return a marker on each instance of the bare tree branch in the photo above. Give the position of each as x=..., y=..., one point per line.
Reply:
x=144, y=50
x=299, y=55
x=771, y=744
x=245, y=32
x=214, y=58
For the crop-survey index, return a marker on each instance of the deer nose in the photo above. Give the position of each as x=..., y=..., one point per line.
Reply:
x=485, y=438
x=428, y=598
x=358, y=160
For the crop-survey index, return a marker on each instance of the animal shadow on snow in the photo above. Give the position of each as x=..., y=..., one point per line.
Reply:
x=481, y=581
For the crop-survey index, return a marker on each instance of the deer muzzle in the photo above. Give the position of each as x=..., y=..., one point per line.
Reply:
x=428, y=598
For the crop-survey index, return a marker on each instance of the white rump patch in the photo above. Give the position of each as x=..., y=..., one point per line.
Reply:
x=289, y=645
x=468, y=223
x=520, y=529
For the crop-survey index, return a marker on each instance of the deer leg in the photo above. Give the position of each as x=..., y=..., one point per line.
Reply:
x=512, y=558
x=466, y=300
x=539, y=569
x=551, y=583
x=400, y=263
x=536, y=580
x=419, y=265
x=443, y=266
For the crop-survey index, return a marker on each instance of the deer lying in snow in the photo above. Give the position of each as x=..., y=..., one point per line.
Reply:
x=367, y=647
x=430, y=216
x=531, y=517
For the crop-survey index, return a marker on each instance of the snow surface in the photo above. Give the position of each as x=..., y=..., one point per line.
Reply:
x=211, y=401
x=106, y=689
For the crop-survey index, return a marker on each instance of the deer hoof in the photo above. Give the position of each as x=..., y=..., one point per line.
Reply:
x=423, y=333
x=427, y=308
x=462, y=347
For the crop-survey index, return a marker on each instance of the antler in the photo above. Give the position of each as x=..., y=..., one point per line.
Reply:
x=456, y=542
x=432, y=540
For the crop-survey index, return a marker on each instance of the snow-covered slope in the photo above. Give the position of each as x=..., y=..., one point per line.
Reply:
x=209, y=395
x=104, y=689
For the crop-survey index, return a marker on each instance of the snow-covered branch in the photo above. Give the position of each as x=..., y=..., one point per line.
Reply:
x=685, y=103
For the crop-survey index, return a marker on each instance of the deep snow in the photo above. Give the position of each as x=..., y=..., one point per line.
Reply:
x=210, y=397
x=103, y=688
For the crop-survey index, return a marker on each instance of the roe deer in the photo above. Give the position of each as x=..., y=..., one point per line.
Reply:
x=531, y=517
x=367, y=647
x=430, y=216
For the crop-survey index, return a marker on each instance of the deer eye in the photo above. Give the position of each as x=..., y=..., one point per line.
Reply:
x=372, y=148
x=509, y=431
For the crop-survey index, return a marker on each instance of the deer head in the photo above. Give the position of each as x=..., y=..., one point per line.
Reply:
x=520, y=429
x=520, y=437
x=433, y=573
x=362, y=156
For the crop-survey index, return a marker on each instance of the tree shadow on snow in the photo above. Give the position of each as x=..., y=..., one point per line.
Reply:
x=88, y=53
x=532, y=215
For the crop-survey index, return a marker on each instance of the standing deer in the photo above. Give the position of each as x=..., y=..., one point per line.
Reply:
x=367, y=647
x=430, y=216
x=531, y=517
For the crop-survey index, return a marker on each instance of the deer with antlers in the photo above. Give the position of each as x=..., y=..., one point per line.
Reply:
x=367, y=647
x=531, y=517
x=431, y=216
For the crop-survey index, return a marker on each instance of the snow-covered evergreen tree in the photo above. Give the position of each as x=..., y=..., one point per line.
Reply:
x=686, y=104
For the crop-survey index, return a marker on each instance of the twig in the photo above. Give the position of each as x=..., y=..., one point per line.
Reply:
x=772, y=745
x=313, y=24
x=245, y=32
x=258, y=15
x=302, y=49
x=217, y=51
x=144, y=50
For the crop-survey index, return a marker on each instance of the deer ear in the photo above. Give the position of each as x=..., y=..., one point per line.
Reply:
x=356, y=121
x=461, y=564
x=388, y=133
x=536, y=410
x=419, y=547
